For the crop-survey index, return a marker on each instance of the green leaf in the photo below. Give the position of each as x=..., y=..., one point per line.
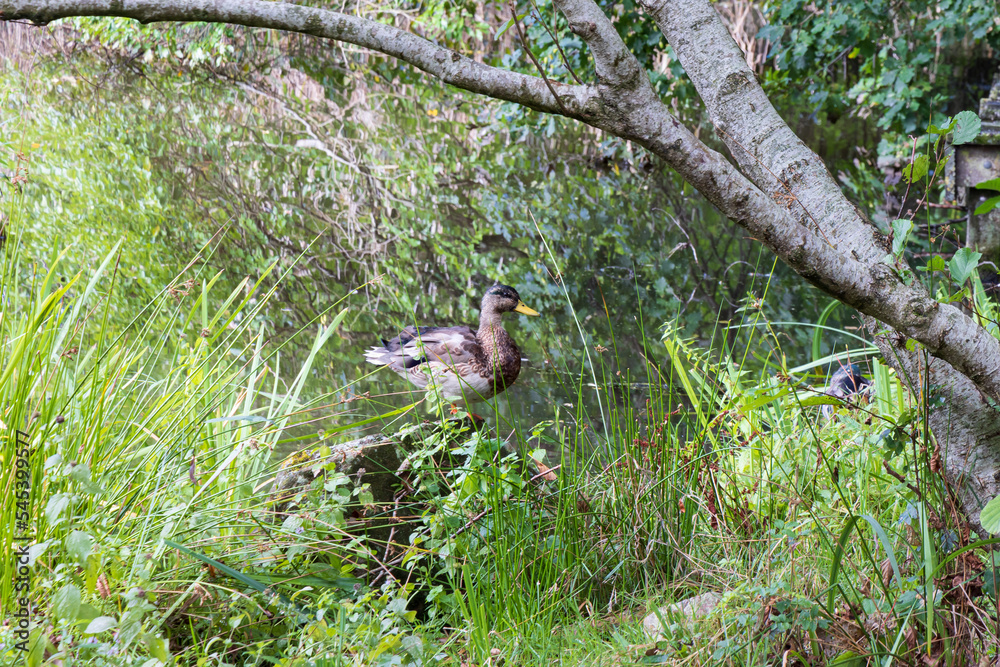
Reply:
x=957, y=296
x=987, y=205
x=821, y=400
x=100, y=624
x=916, y=170
x=235, y=574
x=989, y=517
x=56, y=506
x=841, y=548
x=963, y=264
x=764, y=400
x=992, y=184
x=967, y=126
x=37, y=644
x=157, y=647
x=948, y=127
x=79, y=545
x=935, y=263
x=848, y=659
x=131, y=626
x=66, y=602
x=900, y=234
x=505, y=26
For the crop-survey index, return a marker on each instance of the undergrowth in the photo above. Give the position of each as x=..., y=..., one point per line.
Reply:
x=154, y=536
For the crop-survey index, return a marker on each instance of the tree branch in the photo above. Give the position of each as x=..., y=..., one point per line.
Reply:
x=857, y=278
x=527, y=50
x=766, y=149
x=966, y=426
x=445, y=64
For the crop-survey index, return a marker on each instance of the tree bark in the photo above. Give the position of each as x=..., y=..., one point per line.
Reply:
x=967, y=425
x=780, y=192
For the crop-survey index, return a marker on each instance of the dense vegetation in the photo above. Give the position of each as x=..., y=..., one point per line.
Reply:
x=204, y=226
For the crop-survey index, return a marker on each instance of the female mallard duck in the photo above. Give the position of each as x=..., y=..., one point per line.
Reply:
x=846, y=382
x=464, y=364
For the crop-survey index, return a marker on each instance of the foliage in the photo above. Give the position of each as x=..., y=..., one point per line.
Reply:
x=956, y=279
x=991, y=203
x=902, y=71
x=716, y=475
x=157, y=397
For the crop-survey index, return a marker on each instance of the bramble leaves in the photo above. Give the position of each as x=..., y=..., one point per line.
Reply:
x=963, y=264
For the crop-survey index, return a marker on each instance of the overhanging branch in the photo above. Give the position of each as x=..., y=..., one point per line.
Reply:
x=444, y=64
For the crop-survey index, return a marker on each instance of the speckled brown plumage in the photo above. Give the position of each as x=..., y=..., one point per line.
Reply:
x=464, y=364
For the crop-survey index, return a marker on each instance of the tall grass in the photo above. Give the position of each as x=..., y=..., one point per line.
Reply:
x=155, y=537
x=161, y=428
x=828, y=540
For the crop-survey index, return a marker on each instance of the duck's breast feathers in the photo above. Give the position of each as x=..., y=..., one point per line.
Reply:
x=418, y=345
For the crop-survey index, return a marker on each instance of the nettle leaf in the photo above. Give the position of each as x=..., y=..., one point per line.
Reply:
x=963, y=264
x=916, y=170
x=100, y=624
x=79, y=545
x=56, y=506
x=967, y=126
x=901, y=229
x=989, y=517
x=66, y=602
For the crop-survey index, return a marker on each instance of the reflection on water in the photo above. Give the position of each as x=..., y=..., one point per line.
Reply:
x=540, y=394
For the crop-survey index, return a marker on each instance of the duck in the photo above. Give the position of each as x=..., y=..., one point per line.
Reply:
x=463, y=365
x=846, y=381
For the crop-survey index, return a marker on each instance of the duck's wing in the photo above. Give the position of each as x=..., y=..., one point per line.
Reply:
x=452, y=346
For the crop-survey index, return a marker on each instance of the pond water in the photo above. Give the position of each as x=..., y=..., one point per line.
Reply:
x=574, y=373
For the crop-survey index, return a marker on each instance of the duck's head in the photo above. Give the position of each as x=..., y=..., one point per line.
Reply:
x=504, y=299
x=848, y=380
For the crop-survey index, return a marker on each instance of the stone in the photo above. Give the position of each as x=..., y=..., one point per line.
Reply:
x=691, y=609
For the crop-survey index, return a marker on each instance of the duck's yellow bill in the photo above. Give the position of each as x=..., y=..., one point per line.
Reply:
x=524, y=310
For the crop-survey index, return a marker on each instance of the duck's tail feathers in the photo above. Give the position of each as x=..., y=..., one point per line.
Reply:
x=379, y=356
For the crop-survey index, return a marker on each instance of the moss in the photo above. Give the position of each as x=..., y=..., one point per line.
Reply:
x=314, y=23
